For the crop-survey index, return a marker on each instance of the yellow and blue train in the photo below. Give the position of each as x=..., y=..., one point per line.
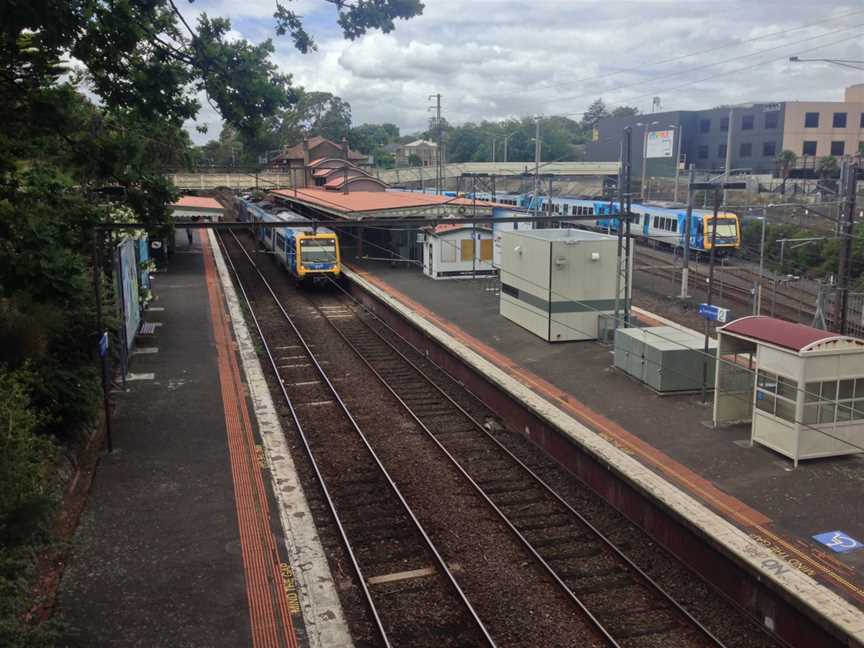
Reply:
x=310, y=254
x=661, y=224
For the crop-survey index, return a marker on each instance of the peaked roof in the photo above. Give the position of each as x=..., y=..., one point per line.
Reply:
x=296, y=152
x=421, y=142
x=782, y=333
x=197, y=202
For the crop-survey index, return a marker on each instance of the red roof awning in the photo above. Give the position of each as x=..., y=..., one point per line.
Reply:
x=778, y=332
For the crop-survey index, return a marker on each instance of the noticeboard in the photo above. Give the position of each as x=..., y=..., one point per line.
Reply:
x=660, y=144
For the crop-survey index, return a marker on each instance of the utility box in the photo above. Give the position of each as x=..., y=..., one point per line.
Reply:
x=665, y=358
x=556, y=282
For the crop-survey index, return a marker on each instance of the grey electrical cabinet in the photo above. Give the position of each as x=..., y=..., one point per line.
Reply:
x=665, y=358
x=556, y=282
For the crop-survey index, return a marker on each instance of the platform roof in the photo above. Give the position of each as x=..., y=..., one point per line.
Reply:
x=788, y=335
x=358, y=203
x=197, y=202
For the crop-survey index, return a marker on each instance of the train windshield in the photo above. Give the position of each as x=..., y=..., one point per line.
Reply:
x=727, y=229
x=318, y=250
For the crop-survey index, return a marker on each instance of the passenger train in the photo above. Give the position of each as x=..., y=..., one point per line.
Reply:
x=660, y=224
x=309, y=254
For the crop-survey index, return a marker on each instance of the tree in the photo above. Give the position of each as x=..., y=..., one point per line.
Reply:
x=625, y=111
x=786, y=160
x=827, y=167
x=596, y=111
x=414, y=160
x=144, y=66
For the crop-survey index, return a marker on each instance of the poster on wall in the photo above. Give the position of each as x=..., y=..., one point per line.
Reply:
x=129, y=284
x=660, y=144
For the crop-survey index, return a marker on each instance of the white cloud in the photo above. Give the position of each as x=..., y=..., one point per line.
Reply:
x=491, y=59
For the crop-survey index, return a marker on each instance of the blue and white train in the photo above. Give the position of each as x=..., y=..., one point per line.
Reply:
x=309, y=254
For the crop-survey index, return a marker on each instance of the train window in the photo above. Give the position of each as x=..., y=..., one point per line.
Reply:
x=636, y=218
x=590, y=211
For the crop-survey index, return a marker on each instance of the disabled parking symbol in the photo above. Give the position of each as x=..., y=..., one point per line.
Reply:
x=837, y=541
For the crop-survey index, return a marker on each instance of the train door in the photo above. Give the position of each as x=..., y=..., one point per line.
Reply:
x=646, y=223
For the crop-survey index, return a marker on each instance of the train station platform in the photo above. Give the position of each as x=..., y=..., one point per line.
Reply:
x=778, y=511
x=185, y=539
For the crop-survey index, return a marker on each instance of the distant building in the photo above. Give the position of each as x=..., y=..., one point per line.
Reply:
x=320, y=162
x=758, y=133
x=424, y=150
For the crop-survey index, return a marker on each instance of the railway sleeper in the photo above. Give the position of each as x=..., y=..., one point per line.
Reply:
x=603, y=586
x=624, y=630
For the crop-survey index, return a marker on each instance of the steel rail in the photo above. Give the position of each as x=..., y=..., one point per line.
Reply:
x=367, y=595
x=653, y=585
x=395, y=489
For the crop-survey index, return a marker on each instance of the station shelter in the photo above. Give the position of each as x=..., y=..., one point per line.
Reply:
x=802, y=388
x=458, y=250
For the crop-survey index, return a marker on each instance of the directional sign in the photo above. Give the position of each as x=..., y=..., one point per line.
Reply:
x=837, y=541
x=103, y=345
x=714, y=313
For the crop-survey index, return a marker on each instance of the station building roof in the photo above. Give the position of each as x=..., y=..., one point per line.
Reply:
x=357, y=204
x=789, y=335
x=197, y=202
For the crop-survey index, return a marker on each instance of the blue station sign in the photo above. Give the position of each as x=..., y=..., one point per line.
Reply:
x=714, y=313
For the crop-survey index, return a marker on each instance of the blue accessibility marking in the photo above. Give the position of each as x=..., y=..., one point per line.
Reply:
x=837, y=541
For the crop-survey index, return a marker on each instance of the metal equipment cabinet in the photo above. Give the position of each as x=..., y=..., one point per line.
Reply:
x=665, y=358
x=556, y=282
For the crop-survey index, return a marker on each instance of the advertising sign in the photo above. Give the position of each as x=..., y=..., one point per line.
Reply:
x=660, y=144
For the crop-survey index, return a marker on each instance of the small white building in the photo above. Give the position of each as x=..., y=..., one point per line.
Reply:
x=557, y=282
x=801, y=387
x=457, y=251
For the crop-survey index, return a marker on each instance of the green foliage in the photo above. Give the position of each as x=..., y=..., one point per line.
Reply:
x=817, y=259
x=28, y=496
x=828, y=167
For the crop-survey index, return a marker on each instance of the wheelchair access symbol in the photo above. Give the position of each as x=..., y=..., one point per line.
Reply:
x=837, y=541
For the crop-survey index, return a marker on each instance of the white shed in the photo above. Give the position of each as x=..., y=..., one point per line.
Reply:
x=457, y=251
x=802, y=387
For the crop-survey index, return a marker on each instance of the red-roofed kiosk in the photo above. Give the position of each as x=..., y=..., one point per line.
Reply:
x=801, y=387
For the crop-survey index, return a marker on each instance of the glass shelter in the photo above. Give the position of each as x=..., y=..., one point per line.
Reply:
x=801, y=388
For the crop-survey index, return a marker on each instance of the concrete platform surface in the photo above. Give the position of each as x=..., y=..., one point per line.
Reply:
x=181, y=543
x=759, y=492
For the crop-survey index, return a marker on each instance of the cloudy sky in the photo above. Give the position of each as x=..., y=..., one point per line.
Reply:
x=492, y=59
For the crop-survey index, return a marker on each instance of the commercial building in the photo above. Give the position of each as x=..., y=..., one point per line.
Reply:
x=748, y=136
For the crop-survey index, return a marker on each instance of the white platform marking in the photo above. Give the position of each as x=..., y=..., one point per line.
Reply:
x=130, y=377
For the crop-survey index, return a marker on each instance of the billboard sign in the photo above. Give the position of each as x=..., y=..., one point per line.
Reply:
x=660, y=144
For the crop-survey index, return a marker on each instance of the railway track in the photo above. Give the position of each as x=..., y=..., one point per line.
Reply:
x=622, y=602
x=357, y=488
x=604, y=591
x=733, y=283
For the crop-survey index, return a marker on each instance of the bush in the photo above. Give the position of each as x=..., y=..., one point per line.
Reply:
x=28, y=497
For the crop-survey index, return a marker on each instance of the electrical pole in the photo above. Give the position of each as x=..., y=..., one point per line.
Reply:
x=620, y=246
x=685, y=268
x=757, y=295
x=849, y=180
x=677, y=161
x=710, y=291
x=628, y=198
x=728, y=163
x=439, y=168
x=536, y=166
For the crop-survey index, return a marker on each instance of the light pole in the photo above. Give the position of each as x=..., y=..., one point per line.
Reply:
x=855, y=65
x=676, y=128
x=645, y=156
x=507, y=139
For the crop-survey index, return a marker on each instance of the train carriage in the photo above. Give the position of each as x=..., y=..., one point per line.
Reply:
x=309, y=254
